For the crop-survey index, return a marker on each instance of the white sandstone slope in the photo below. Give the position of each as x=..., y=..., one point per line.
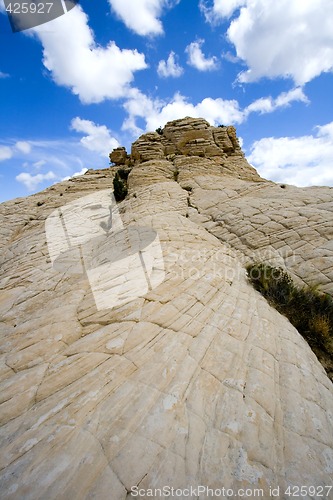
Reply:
x=197, y=381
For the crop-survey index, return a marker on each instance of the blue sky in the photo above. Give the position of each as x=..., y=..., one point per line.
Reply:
x=99, y=76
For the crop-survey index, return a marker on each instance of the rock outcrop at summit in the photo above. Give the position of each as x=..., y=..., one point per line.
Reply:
x=189, y=379
x=195, y=138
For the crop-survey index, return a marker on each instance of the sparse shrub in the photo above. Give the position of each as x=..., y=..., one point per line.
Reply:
x=123, y=173
x=308, y=309
x=120, y=183
x=119, y=187
x=320, y=325
x=274, y=283
x=159, y=130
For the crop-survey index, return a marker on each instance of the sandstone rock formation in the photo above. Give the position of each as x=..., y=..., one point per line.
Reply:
x=118, y=156
x=195, y=137
x=197, y=381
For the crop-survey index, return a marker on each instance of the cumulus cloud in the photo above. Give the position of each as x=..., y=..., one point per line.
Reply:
x=142, y=16
x=197, y=58
x=157, y=112
x=268, y=104
x=170, y=67
x=75, y=61
x=15, y=149
x=76, y=174
x=303, y=161
x=98, y=138
x=220, y=9
x=23, y=147
x=139, y=105
x=282, y=39
x=31, y=182
x=5, y=153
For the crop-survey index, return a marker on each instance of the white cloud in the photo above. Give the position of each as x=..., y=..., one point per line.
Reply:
x=31, y=182
x=220, y=9
x=98, y=138
x=142, y=16
x=283, y=38
x=38, y=164
x=198, y=60
x=169, y=67
x=156, y=112
x=262, y=105
x=219, y=111
x=228, y=56
x=77, y=62
x=302, y=161
x=285, y=98
x=5, y=153
x=76, y=174
x=325, y=130
x=23, y=147
x=62, y=156
x=4, y=75
x=268, y=105
x=139, y=105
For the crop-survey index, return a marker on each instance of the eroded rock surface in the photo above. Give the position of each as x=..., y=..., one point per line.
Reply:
x=196, y=382
x=118, y=156
x=196, y=138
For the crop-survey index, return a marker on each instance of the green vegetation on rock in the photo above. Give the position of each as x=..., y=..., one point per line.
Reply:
x=309, y=310
x=120, y=184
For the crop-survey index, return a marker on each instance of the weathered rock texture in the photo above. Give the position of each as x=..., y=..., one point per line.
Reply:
x=195, y=137
x=198, y=382
x=118, y=156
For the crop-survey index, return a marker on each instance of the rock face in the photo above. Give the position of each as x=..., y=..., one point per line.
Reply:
x=193, y=379
x=195, y=138
x=119, y=156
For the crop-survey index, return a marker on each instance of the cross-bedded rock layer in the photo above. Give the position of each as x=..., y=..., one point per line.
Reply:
x=197, y=382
